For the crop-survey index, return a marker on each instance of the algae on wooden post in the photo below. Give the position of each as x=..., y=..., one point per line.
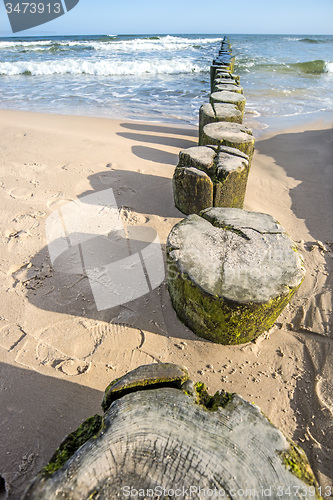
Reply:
x=220, y=112
x=193, y=190
x=225, y=77
x=229, y=97
x=209, y=176
x=225, y=60
x=227, y=87
x=158, y=437
x=232, y=170
x=229, y=134
x=221, y=73
x=89, y=429
x=231, y=273
x=213, y=71
x=151, y=376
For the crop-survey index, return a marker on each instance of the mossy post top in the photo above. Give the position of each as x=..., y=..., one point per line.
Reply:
x=145, y=377
x=215, y=130
x=228, y=134
x=212, y=159
x=178, y=439
x=238, y=255
x=227, y=96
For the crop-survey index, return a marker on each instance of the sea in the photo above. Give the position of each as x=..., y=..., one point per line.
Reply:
x=164, y=78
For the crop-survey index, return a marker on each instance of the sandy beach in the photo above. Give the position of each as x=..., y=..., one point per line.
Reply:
x=58, y=352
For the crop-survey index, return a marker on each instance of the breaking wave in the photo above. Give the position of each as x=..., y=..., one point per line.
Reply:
x=313, y=67
x=309, y=40
x=113, y=44
x=100, y=68
x=316, y=67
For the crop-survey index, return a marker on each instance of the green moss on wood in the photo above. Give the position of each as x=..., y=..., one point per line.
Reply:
x=193, y=190
x=156, y=383
x=297, y=463
x=112, y=384
x=230, y=188
x=90, y=428
x=210, y=113
x=246, y=147
x=217, y=318
x=217, y=186
x=212, y=403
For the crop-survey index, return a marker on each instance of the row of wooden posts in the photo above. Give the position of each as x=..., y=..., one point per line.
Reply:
x=214, y=174
x=230, y=271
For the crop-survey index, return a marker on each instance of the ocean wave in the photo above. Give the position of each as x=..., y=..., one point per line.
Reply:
x=312, y=67
x=112, y=44
x=13, y=44
x=319, y=39
x=309, y=40
x=141, y=45
x=316, y=67
x=300, y=39
x=99, y=68
x=292, y=39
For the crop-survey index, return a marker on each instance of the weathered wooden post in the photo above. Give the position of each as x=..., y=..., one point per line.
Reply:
x=223, y=85
x=230, y=86
x=218, y=112
x=225, y=62
x=210, y=176
x=163, y=436
x=231, y=273
x=229, y=97
x=233, y=135
x=224, y=106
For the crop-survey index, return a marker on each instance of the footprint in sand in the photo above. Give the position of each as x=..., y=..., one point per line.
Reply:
x=315, y=314
x=23, y=226
x=324, y=386
x=73, y=346
x=10, y=336
x=57, y=201
x=21, y=234
x=21, y=193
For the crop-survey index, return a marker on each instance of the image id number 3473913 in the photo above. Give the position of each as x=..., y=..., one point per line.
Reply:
x=33, y=8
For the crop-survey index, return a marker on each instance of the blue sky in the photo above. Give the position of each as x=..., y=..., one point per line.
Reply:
x=186, y=16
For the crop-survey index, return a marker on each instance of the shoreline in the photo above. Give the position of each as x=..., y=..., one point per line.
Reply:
x=53, y=364
x=261, y=126
x=277, y=124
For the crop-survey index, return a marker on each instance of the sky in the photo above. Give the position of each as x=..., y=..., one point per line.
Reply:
x=185, y=16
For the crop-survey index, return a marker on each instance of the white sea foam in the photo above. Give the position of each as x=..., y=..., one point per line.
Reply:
x=293, y=38
x=167, y=42
x=137, y=46
x=99, y=68
x=329, y=67
x=17, y=44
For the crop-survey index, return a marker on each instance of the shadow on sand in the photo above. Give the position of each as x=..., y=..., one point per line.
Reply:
x=40, y=412
x=315, y=174
x=308, y=157
x=161, y=129
x=62, y=289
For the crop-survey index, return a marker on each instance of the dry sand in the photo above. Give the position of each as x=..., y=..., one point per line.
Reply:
x=58, y=352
